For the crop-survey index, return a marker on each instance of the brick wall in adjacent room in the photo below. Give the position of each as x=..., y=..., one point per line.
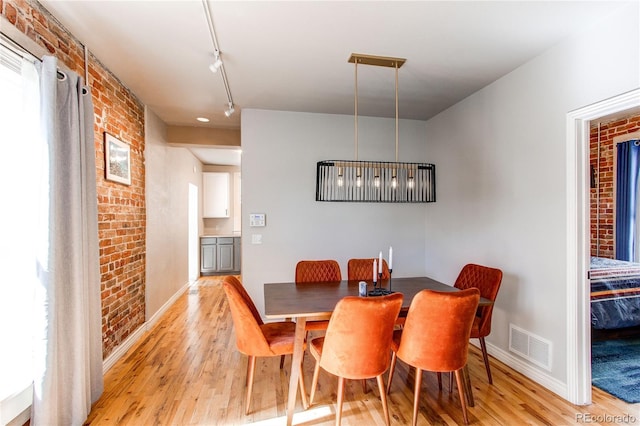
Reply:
x=121, y=208
x=603, y=209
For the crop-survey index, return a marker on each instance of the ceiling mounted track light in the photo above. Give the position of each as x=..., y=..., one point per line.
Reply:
x=218, y=64
x=375, y=181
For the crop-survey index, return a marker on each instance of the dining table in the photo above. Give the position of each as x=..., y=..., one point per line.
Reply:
x=318, y=299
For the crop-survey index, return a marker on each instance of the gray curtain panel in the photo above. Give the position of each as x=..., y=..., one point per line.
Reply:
x=69, y=365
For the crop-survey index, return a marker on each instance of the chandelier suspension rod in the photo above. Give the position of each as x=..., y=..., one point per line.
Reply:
x=356, y=108
x=396, y=112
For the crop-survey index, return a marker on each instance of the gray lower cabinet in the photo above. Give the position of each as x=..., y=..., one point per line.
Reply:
x=236, y=254
x=208, y=255
x=225, y=254
x=219, y=255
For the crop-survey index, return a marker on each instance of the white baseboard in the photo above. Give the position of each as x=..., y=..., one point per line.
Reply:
x=528, y=370
x=139, y=332
x=155, y=317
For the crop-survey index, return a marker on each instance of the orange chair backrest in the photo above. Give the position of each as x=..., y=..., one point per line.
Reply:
x=487, y=280
x=317, y=271
x=357, y=343
x=436, y=333
x=362, y=269
x=250, y=339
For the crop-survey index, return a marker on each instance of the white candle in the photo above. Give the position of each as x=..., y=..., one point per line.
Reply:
x=390, y=257
x=380, y=263
x=375, y=272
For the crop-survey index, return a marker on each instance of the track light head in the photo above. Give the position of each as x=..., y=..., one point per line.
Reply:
x=230, y=110
x=215, y=66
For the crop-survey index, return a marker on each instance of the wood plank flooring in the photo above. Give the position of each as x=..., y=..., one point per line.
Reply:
x=187, y=371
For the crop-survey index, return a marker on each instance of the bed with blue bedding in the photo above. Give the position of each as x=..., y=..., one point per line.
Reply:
x=615, y=294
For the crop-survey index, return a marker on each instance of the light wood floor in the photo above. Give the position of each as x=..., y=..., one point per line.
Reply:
x=186, y=370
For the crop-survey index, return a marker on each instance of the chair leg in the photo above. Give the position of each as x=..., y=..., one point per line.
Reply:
x=251, y=366
x=463, y=398
x=281, y=361
x=416, y=395
x=314, y=382
x=450, y=382
x=392, y=367
x=340, y=399
x=364, y=385
x=383, y=397
x=439, y=374
x=303, y=391
x=485, y=356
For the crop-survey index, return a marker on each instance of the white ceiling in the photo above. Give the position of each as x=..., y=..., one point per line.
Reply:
x=292, y=56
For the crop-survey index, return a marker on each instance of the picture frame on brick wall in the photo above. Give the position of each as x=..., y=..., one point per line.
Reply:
x=117, y=159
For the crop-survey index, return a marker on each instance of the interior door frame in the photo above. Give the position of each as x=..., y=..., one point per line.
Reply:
x=578, y=241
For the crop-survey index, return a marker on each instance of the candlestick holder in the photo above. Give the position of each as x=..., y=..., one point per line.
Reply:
x=379, y=291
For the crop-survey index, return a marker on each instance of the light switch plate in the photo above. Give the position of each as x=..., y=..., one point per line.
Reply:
x=256, y=238
x=257, y=219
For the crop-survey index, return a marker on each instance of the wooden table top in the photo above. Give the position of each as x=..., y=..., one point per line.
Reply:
x=291, y=300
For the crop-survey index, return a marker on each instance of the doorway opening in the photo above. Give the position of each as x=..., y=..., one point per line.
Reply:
x=578, y=240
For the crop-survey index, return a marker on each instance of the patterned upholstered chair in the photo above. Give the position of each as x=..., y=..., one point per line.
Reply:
x=362, y=269
x=317, y=271
x=487, y=280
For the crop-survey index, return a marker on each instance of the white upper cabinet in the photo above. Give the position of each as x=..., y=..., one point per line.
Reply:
x=215, y=189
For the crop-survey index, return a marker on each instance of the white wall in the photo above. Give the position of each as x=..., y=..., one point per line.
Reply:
x=169, y=170
x=501, y=163
x=279, y=155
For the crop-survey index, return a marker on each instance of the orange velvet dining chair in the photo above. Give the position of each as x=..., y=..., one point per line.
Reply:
x=317, y=271
x=254, y=338
x=435, y=338
x=362, y=269
x=357, y=343
x=487, y=280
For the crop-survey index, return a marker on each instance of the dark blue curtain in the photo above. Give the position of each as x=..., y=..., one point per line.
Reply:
x=626, y=198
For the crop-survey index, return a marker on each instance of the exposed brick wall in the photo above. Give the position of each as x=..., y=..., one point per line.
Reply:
x=121, y=208
x=605, y=176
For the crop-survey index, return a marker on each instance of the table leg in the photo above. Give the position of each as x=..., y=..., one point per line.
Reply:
x=296, y=361
x=468, y=390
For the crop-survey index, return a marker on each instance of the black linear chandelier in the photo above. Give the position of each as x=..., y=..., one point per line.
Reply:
x=375, y=181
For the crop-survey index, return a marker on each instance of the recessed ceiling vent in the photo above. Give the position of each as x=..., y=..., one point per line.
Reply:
x=529, y=346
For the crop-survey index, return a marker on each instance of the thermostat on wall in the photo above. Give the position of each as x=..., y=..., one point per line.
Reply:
x=257, y=219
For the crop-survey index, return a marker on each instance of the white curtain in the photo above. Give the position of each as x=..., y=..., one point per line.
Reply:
x=68, y=343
